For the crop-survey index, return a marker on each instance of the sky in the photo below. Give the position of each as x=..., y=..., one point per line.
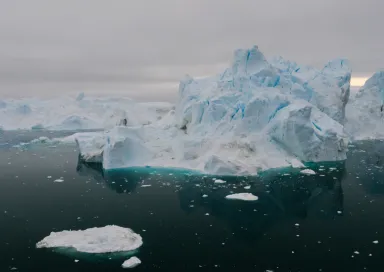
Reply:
x=142, y=48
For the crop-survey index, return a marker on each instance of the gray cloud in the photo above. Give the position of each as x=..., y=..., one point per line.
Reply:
x=147, y=46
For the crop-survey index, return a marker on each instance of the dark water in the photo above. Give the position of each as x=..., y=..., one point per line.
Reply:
x=339, y=213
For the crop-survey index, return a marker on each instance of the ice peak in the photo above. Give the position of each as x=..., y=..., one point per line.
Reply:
x=249, y=61
x=376, y=80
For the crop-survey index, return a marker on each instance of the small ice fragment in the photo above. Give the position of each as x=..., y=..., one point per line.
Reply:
x=205, y=195
x=49, y=177
x=131, y=262
x=370, y=255
x=247, y=187
x=308, y=172
x=297, y=224
x=219, y=181
x=339, y=212
x=207, y=214
x=243, y=196
x=76, y=261
x=146, y=185
x=375, y=242
x=58, y=180
x=356, y=252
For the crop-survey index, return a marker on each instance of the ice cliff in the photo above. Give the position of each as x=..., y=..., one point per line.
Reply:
x=257, y=114
x=365, y=112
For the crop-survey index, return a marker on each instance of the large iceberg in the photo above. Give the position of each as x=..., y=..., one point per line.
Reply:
x=365, y=112
x=256, y=115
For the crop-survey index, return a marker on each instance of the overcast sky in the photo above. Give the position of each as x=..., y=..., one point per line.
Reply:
x=142, y=48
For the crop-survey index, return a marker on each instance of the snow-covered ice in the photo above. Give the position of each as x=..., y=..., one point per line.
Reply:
x=94, y=240
x=131, y=262
x=308, y=172
x=243, y=196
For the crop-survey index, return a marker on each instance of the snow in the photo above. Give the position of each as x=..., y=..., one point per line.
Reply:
x=242, y=196
x=94, y=240
x=365, y=111
x=308, y=172
x=131, y=262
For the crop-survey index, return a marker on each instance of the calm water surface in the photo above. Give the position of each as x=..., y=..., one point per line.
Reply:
x=326, y=222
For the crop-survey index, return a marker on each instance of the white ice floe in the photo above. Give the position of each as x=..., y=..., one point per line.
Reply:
x=220, y=181
x=131, y=262
x=59, y=180
x=243, y=196
x=94, y=240
x=308, y=172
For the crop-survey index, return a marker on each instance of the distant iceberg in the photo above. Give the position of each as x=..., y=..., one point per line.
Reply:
x=81, y=113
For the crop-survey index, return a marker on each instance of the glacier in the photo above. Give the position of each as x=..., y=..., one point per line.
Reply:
x=256, y=115
x=365, y=112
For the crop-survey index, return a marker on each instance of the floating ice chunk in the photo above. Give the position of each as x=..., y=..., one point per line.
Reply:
x=146, y=185
x=247, y=187
x=131, y=262
x=220, y=181
x=308, y=172
x=94, y=240
x=205, y=196
x=59, y=180
x=243, y=196
x=375, y=242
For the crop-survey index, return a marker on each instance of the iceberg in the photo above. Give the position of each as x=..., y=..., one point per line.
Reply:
x=131, y=263
x=106, y=239
x=256, y=115
x=365, y=112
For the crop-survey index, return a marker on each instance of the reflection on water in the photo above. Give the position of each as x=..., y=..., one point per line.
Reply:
x=281, y=195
